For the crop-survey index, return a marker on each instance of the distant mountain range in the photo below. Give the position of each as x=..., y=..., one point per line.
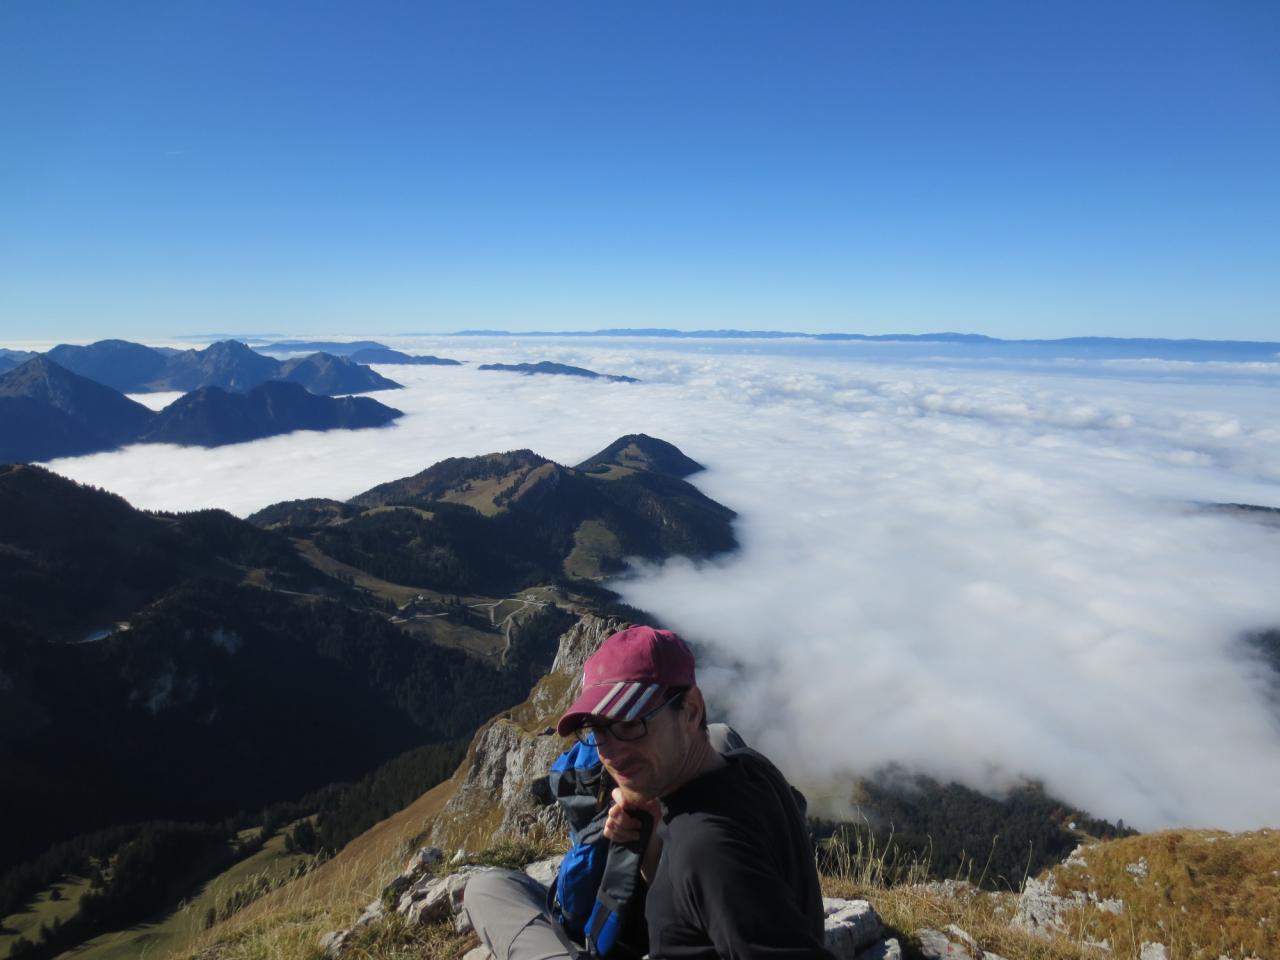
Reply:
x=229, y=364
x=1087, y=347
x=11, y=358
x=723, y=334
x=47, y=411
x=192, y=665
x=546, y=366
x=361, y=351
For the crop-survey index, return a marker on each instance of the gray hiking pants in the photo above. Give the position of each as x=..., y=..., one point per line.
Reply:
x=509, y=909
x=509, y=912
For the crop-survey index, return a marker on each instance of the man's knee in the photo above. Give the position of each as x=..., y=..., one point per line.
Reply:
x=508, y=911
x=505, y=890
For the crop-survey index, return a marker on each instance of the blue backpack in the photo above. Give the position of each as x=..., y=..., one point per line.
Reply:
x=591, y=899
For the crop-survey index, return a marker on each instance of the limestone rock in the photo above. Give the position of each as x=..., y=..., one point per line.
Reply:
x=478, y=953
x=1153, y=951
x=331, y=944
x=373, y=911
x=850, y=927
x=420, y=861
x=580, y=642
x=502, y=794
x=432, y=899
x=544, y=871
x=935, y=945
x=1040, y=910
x=963, y=936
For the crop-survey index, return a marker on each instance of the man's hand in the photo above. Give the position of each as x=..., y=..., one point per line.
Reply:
x=622, y=826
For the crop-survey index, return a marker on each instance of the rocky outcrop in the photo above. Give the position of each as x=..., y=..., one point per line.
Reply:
x=853, y=931
x=501, y=789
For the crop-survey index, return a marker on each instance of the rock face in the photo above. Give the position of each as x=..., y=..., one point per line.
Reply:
x=1041, y=910
x=501, y=787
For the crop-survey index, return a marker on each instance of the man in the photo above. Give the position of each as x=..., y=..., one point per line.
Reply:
x=730, y=869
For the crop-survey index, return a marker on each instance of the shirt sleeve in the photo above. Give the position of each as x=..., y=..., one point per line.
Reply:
x=745, y=902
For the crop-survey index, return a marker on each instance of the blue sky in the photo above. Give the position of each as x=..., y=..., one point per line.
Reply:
x=1015, y=169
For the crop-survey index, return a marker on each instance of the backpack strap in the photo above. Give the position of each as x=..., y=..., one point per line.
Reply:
x=615, y=897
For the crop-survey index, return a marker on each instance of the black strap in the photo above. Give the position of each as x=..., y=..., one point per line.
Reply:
x=617, y=889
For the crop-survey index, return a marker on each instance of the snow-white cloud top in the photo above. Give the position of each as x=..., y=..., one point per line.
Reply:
x=982, y=572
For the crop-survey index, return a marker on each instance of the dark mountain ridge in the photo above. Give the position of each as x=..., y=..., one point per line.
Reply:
x=47, y=411
x=385, y=355
x=62, y=414
x=118, y=364
x=331, y=376
x=501, y=522
x=548, y=367
x=212, y=417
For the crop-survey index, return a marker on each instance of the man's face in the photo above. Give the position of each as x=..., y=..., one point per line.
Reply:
x=657, y=763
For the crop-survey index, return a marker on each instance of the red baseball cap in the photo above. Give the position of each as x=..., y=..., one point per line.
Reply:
x=627, y=674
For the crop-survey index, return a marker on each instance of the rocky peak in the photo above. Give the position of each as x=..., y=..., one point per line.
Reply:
x=500, y=791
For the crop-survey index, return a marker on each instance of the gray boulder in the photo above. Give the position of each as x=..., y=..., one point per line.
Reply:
x=850, y=927
x=435, y=898
x=544, y=871
x=935, y=945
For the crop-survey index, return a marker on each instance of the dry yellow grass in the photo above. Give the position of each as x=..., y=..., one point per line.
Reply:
x=397, y=593
x=480, y=495
x=1205, y=893
x=593, y=544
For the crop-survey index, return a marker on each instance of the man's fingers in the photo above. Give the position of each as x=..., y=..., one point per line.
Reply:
x=620, y=826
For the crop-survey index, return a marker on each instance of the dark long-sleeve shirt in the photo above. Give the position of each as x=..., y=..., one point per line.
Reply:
x=737, y=878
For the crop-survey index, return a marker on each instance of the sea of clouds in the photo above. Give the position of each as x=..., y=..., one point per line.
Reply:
x=984, y=571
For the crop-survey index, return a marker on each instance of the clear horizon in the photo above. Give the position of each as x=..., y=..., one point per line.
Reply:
x=1014, y=170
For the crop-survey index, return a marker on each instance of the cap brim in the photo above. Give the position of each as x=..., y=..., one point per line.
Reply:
x=624, y=700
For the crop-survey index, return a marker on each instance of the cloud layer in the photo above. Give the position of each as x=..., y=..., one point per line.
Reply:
x=980, y=572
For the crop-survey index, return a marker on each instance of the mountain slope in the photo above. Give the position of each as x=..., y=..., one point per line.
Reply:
x=637, y=451
x=75, y=558
x=228, y=364
x=210, y=416
x=330, y=376
x=505, y=521
x=47, y=411
x=119, y=364
x=230, y=672
x=64, y=414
